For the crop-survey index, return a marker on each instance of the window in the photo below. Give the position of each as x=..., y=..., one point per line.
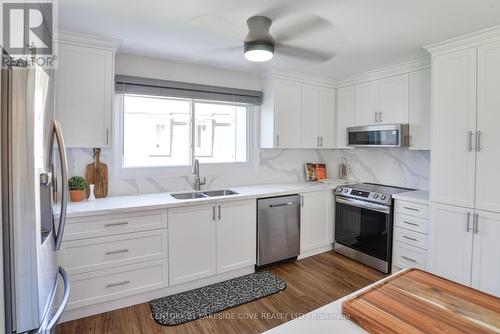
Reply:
x=167, y=132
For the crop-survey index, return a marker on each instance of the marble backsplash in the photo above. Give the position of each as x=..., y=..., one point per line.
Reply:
x=397, y=167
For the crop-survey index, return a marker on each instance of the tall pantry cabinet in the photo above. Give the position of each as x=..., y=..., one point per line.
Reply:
x=465, y=161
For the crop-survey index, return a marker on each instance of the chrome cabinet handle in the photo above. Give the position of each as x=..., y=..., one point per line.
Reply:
x=117, y=251
x=469, y=142
x=57, y=135
x=317, y=141
x=409, y=238
x=478, y=141
x=277, y=141
x=476, y=223
x=107, y=136
x=64, y=301
x=115, y=224
x=321, y=141
x=219, y=212
x=376, y=116
x=213, y=213
x=380, y=116
x=111, y=285
x=410, y=223
x=409, y=259
x=467, y=226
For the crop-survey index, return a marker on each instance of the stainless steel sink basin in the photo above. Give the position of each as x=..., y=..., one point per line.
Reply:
x=216, y=193
x=188, y=195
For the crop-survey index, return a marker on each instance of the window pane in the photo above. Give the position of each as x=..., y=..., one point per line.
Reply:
x=220, y=133
x=156, y=132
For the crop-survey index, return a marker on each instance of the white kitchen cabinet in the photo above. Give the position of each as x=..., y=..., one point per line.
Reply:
x=310, y=111
x=453, y=127
x=488, y=136
x=191, y=243
x=316, y=220
x=450, y=245
x=287, y=106
x=84, y=90
x=486, y=253
x=345, y=115
x=420, y=110
x=394, y=100
x=367, y=103
x=326, y=118
x=236, y=235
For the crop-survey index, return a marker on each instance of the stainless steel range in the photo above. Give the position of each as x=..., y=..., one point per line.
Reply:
x=363, y=223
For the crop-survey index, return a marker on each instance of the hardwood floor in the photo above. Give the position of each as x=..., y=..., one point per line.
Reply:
x=311, y=283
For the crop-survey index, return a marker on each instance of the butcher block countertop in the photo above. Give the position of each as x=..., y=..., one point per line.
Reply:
x=419, y=302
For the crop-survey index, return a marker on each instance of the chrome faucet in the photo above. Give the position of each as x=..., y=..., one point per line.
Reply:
x=196, y=171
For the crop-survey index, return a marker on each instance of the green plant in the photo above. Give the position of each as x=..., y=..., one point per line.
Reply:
x=77, y=183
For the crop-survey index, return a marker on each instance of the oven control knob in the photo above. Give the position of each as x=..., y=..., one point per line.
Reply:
x=346, y=190
x=375, y=196
x=339, y=189
x=383, y=197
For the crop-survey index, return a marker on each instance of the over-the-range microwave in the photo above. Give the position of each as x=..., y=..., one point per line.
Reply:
x=386, y=135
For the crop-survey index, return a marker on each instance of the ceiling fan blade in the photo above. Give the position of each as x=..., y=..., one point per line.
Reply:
x=283, y=8
x=308, y=25
x=304, y=54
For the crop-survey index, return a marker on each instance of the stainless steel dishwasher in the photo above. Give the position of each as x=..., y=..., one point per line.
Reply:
x=278, y=229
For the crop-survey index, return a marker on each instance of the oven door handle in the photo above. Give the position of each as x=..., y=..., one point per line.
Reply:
x=363, y=204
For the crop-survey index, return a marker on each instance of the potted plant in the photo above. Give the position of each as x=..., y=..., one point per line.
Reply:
x=77, y=186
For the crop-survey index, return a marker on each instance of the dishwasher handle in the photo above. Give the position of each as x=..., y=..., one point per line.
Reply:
x=282, y=204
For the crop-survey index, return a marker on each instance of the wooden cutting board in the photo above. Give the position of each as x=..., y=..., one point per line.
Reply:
x=419, y=302
x=96, y=173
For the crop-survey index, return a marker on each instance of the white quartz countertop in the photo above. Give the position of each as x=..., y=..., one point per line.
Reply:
x=115, y=204
x=327, y=319
x=417, y=196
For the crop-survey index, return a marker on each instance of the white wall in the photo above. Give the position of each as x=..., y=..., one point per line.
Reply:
x=399, y=167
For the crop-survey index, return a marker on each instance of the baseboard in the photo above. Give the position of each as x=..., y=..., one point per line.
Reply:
x=150, y=295
x=315, y=251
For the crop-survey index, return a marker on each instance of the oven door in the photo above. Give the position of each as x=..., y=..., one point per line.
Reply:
x=364, y=226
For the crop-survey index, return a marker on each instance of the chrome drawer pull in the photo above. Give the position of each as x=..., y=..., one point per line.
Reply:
x=411, y=209
x=409, y=259
x=110, y=285
x=409, y=238
x=116, y=224
x=117, y=251
x=412, y=224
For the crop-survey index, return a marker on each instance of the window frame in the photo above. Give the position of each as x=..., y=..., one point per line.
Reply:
x=206, y=169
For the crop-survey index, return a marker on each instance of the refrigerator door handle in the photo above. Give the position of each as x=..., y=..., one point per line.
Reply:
x=57, y=133
x=64, y=301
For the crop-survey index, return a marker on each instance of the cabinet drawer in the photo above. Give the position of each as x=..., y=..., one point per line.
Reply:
x=412, y=209
x=104, y=285
x=410, y=237
x=98, y=226
x=106, y=252
x=406, y=256
x=411, y=223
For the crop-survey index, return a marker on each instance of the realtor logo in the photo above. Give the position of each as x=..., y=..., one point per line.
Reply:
x=27, y=31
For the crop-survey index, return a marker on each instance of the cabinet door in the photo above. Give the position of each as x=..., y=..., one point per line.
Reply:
x=316, y=222
x=309, y=114
x=367, y=102
x=453, y=156
x=420, y=110
x=191, y=243
x=394, y=100
x=345, y=114
x=236, y=235
x=287, y=106
x=84, y=92
x=450, y=245
x=488, y=119
x=326, y=120
x=486, y=253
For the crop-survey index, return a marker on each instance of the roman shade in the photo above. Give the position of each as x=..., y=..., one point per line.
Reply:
x=156, y=87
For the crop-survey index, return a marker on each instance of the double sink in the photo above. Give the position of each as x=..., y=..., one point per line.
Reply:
x=204, y=194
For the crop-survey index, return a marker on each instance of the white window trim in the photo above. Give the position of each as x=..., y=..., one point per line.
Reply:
x=206, y=169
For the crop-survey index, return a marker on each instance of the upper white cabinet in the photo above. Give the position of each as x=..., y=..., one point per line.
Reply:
x=420, y=110
x=297, y=114
x=345, y=114
x=453, y=128
x=487, y=135
x=383, y=101
x=316, y=221
x=84, y=90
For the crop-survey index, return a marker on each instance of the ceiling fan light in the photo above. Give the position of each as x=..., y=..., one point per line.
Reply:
x=259, y=52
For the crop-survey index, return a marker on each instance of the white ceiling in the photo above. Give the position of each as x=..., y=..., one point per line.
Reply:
x=363, y=35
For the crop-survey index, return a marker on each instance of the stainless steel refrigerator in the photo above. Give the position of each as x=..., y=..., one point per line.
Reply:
x=34, y=184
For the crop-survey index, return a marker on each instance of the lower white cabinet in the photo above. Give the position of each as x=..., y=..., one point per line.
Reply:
x=210, y=239
x=316, y=220
x=191, y=243
x=236, y=235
